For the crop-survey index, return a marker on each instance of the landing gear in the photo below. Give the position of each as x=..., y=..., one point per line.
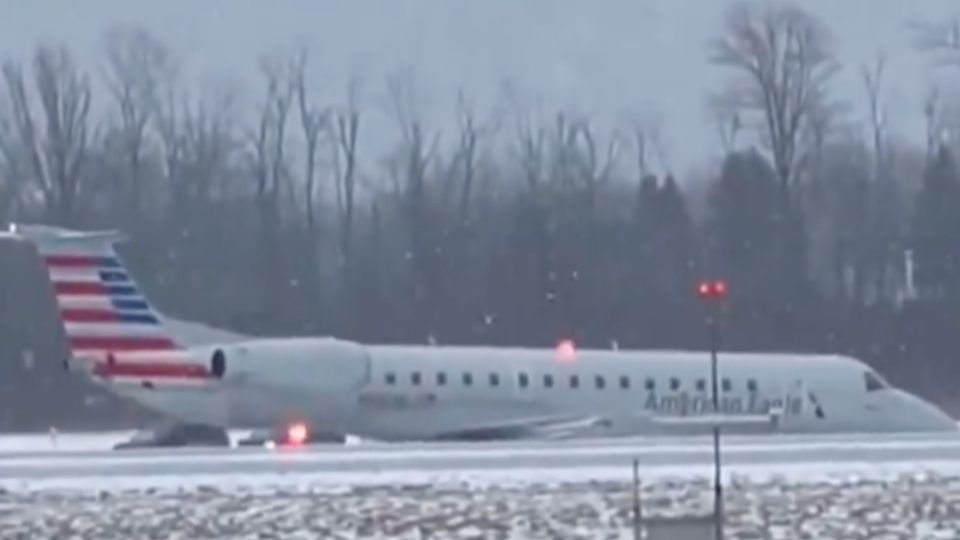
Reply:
x=178, y=435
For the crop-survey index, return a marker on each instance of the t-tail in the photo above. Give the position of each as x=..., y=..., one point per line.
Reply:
x=112, y=330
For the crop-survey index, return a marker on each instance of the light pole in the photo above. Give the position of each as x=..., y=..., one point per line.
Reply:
x=714, y=292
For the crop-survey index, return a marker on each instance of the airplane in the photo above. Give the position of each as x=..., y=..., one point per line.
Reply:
x=436, y=392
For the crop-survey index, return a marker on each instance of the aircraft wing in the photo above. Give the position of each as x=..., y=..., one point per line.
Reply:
x=615, y=424
x=542, y=427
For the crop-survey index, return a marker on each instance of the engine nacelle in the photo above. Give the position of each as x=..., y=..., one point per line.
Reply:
x=317, y=363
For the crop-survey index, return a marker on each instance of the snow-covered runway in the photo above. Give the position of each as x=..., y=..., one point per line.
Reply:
x=68, y=465
x=857, y=487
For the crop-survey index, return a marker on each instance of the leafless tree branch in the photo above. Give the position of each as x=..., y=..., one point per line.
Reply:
x=784, y=63
x=55, y=146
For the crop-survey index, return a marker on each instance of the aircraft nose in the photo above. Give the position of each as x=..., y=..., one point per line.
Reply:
x=920, y=414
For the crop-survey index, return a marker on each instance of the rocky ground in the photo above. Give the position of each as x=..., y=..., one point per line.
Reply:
x=911, y=507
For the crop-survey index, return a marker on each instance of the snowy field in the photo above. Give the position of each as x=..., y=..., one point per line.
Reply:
x=899, y=505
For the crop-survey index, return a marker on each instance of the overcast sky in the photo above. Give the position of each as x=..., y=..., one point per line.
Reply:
x=609, y=58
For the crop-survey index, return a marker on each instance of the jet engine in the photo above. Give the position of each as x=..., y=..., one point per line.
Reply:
x=273, y=380
x=319, y=363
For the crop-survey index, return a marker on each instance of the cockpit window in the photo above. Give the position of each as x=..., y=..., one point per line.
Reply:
x=874, y=381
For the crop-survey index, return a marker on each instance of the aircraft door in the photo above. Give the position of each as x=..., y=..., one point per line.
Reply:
x=798, y=408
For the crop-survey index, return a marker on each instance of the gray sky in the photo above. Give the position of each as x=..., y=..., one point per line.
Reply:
x=609, y=58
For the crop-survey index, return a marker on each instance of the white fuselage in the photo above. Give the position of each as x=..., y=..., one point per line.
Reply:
x=415, y=392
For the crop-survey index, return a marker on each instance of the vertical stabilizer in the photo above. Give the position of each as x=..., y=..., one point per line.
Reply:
x=104, y=313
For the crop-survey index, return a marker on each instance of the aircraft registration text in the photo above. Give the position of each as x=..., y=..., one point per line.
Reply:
x=397, y=400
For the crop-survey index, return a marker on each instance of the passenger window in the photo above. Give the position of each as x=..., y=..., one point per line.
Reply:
x=524, y=380
x=467, y=379
x=727, y=385
x=701, y=385
x=574, y=381
x=494, y=379
x=415, y=378
x=624, y=382
x=650, y=385
x=874, y=382
x=390, y=378
x=601, y=383
x=548, y=381
x=674, y=383
x=441, y=379
x=751, y=385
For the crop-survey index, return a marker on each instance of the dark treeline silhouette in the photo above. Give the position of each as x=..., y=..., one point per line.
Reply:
x=512, y=230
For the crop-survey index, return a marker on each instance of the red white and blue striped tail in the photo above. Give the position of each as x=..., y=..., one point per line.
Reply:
x=106, y=317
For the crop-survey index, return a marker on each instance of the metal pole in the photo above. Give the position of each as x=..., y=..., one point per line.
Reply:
x=717, y=483
x=636, y=499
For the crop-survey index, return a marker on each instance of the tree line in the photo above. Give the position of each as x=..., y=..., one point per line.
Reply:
x=834, y=234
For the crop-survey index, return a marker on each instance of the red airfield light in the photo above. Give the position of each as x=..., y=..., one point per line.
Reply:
x=712, y=290
x=566, y=351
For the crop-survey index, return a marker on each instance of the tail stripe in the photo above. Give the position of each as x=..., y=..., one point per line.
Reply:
x=158, y=370
x=103, y=315
x=114, y=276
x=81, y=261
x=121, y=343
x=121, y=303
x=92, y=288
x=102, y=302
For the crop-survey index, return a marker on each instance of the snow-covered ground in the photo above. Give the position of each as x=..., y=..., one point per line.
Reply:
x=778, y=489
x=904, y=506
x=33, y=443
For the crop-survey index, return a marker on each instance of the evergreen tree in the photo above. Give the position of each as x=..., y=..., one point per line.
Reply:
x=936, y=230
x=758, y=247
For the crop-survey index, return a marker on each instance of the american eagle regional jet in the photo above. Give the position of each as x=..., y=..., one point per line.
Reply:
x=407, y=392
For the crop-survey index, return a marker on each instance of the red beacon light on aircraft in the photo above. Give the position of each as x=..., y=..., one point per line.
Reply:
x=566, y=351
x=297, y=434
x=712, y=290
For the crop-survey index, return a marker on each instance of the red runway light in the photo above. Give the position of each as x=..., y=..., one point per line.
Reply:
x=712, y=289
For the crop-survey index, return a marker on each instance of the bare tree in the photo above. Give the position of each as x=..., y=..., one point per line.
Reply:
x=270, y=165
x=931, y=114
x=137, y=67
x=167, y=117
x=207, y=143
x=727, y=120
x=270, y=168
x=472, y=131
x=415, y=155
x=873, y=84
x=344, y=131
x=582, y=161
x=55, y=146
x=313, y=121
x=417, y=147
x=782, y=56
x=530, y=148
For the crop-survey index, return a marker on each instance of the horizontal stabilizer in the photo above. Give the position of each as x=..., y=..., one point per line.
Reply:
x=52, y=234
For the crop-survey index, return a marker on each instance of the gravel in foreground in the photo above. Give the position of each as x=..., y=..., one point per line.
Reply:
x=910, y=507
